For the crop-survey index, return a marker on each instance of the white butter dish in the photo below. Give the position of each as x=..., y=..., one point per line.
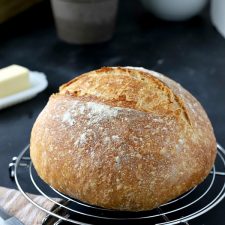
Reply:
x=38, y=83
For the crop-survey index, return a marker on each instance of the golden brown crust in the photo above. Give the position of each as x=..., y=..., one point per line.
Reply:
x=123, y=138
x=131, y=88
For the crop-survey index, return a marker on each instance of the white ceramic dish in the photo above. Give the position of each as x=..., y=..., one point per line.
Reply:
x=38, y=84
x=218, y=15
x=174, y=10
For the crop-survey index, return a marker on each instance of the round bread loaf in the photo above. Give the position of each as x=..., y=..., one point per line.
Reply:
x=123, y=138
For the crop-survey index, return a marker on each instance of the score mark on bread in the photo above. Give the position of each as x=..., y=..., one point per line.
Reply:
x=130, y=88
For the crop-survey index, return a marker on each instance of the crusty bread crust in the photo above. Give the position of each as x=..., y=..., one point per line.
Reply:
x=123, y=138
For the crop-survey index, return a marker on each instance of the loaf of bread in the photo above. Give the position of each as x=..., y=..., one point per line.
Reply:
x=123, y=138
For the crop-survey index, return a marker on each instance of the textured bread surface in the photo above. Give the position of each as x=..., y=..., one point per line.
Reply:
x=123, y=138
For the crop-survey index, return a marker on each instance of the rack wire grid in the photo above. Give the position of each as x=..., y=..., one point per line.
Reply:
x=192, y=204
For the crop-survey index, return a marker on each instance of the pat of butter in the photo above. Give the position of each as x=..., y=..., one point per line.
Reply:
x=13, y=79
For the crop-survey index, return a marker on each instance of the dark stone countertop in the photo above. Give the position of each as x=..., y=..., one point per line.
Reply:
x=191, y=52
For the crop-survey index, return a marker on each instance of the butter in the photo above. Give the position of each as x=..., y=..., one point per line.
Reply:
x=13, y=79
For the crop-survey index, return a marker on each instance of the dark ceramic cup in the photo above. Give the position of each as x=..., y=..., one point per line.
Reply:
x=85, y=21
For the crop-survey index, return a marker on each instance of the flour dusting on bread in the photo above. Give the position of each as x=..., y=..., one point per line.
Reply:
x=96, y=112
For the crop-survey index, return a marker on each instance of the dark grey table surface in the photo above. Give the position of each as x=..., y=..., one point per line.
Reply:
x=191, y=52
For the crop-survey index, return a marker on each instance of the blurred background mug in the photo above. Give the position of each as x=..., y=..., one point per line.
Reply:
x=85, y=21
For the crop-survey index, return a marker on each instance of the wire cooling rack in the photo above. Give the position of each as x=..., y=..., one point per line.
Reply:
x=192, y=204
